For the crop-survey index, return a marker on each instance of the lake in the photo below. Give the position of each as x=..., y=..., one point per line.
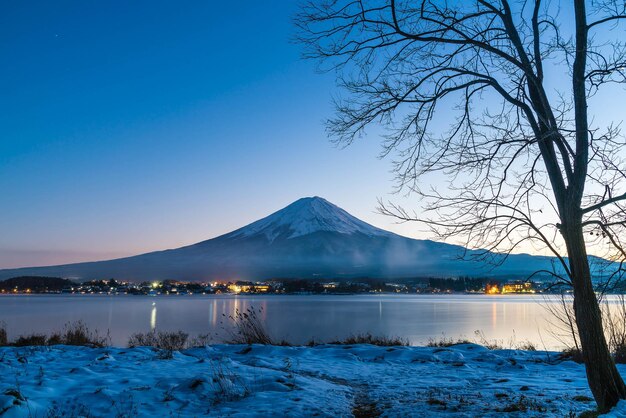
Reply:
x=295, y=318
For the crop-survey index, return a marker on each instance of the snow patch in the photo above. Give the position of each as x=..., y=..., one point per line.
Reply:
x=306, y=216
x=327, y=381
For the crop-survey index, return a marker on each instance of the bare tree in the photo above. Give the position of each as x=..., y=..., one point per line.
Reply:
x=494, y=94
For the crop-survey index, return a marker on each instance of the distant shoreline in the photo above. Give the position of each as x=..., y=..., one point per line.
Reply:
x=440, y=294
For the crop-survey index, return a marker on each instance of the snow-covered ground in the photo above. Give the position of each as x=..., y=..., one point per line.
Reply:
x=328, y=380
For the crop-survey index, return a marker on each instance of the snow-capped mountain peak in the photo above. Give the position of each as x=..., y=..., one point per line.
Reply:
x=311, y=238
x=306, y=216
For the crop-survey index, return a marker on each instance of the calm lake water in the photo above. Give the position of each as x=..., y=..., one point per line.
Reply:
x=296, y=318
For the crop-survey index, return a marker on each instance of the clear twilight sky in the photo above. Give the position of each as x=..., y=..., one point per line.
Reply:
x=133, y=126
x=127, y=127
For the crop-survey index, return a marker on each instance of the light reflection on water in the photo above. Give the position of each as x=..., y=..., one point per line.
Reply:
x=153, y=317
x=295, y=318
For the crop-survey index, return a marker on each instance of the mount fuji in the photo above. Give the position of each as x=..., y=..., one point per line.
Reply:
x=310, y=238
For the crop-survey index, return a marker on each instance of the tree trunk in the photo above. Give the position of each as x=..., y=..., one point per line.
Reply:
x=605, y=382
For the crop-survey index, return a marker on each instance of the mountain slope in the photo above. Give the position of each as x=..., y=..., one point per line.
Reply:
x=309, y=238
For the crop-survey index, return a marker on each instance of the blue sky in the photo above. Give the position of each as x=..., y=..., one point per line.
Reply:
x=135, y=126
x=127, y=127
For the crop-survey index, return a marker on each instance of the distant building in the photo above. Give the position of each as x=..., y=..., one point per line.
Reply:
x=241, y=287
x=261, y=288
x=518, y=286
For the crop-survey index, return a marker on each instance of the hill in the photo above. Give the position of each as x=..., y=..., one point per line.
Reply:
x=35, y=283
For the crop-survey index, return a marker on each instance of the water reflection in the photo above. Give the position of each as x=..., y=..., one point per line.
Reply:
x=296, y=318
x=213, y=314
x=153, y=317
x=235, y=307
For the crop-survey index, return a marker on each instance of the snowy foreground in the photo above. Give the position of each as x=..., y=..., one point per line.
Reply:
x=328, y=380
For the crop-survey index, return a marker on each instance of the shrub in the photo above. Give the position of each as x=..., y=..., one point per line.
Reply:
x=3, y=335
x=172, y=341
x=77, y=333
x=74, y=333
x=446, y=342
x=248, y=328
x=527, y=346
x=28, y=340
x=166, y=341
x=227, y=385
x=572, y=353
x=140, y=339
x=481, y=340
x=368, y=338
x=201, y=340
x=489, y=344
x=619, y=353
x=366, y=410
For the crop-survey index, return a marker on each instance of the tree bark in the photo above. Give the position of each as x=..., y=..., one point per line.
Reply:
x=605, y=382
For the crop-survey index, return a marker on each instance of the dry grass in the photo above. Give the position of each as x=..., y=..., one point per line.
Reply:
x=492, y=344
x=30, y=340
x=566, y=331
x=615, y=327
x=199, y=341
x=523, y=404
x=227, y=384
x=165, y=341
x=446, y=342
x=74, y=333
x=77, y=333
x=382, y=341
x=366, y=409
x=248, y=328
x=526, y=346
x=480, y=339
x=76, y=410
x=3, y=335
x=572, y=353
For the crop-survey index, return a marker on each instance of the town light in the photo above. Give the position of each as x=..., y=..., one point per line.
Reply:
x=492, y=289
